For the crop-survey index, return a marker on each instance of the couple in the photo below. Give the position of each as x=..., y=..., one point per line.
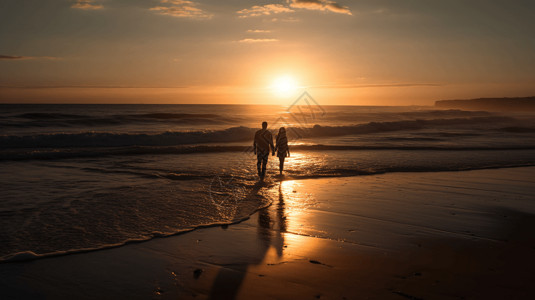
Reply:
x=263, y=141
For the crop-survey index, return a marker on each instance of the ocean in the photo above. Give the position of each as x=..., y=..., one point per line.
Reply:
x=76, y=178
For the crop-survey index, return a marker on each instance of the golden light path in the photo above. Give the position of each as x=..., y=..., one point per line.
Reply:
x=288, y=222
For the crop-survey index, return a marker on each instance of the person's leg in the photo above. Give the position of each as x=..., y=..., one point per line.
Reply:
x=281, y=164
x=264, y=163
x=259, y=164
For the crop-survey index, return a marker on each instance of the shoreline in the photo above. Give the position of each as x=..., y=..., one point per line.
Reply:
x=27, y=256
x=394, y=236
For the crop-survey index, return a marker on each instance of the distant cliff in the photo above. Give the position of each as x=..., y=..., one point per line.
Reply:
x=490, y=104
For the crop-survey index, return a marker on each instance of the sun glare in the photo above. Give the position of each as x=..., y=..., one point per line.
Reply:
x=284, y=86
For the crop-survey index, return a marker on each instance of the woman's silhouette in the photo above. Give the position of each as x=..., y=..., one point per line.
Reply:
x=282, y=148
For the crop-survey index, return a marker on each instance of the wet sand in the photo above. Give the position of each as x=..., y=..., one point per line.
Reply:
x=447, y=235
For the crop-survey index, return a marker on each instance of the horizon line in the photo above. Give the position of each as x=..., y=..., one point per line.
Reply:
x=66, y=103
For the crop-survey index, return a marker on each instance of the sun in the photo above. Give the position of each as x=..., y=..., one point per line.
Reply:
x=284, y=86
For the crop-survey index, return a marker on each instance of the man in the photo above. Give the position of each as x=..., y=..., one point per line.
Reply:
x=263, y=140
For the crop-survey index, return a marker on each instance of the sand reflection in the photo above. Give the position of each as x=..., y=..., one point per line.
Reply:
x=288, y=212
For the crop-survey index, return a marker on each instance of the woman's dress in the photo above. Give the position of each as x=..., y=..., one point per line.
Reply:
x=282, y=145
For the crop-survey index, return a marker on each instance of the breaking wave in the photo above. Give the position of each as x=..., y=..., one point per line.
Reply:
x=28, y=120
x=229, y=135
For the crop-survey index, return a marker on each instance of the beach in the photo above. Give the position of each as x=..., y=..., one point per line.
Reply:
x=77, y=178
x=296, y=149
x=419, y=235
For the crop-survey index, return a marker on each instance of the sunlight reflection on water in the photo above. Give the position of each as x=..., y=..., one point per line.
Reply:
x=300, y=161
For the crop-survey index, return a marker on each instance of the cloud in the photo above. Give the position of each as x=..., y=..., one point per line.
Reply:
x=16, y=57
x=181, y=9
x=320, y=5
x=86, y=4
x=287, y=19
x=264, y=10
x=251, y=41
x=8, y=86
x=10, y=57
x=380, y=85
x=258, y=31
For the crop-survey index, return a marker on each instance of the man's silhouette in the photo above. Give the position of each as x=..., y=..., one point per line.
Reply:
x=263, y=141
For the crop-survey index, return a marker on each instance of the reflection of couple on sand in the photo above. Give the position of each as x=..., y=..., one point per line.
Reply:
x=263, y=143
x=271, y=231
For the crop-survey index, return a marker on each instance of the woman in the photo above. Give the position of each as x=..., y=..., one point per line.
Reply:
x=282, y=148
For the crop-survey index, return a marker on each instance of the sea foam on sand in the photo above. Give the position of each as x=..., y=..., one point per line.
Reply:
x=437, y=235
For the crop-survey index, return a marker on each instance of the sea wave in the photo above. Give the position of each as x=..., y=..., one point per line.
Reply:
x=50, y=116
x=233, y=134
x=29, y=120
x=519, y=129
x=66, y=153
x=378, y=127
x=30, y=255
x=111, y=139
x=327, y=172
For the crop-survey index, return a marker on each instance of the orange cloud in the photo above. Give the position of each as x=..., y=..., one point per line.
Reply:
x=320, y=5
x=181, y=9
x=258, y=40
x=264, y=10
x=258, y=31
x=380, y=85
x=86, y=4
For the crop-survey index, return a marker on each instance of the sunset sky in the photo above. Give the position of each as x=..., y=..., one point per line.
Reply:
x=365, y=52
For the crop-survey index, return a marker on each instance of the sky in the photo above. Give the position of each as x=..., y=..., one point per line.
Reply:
x=343, y=52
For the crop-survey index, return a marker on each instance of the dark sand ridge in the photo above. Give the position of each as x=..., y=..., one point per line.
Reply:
x=448, y=235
